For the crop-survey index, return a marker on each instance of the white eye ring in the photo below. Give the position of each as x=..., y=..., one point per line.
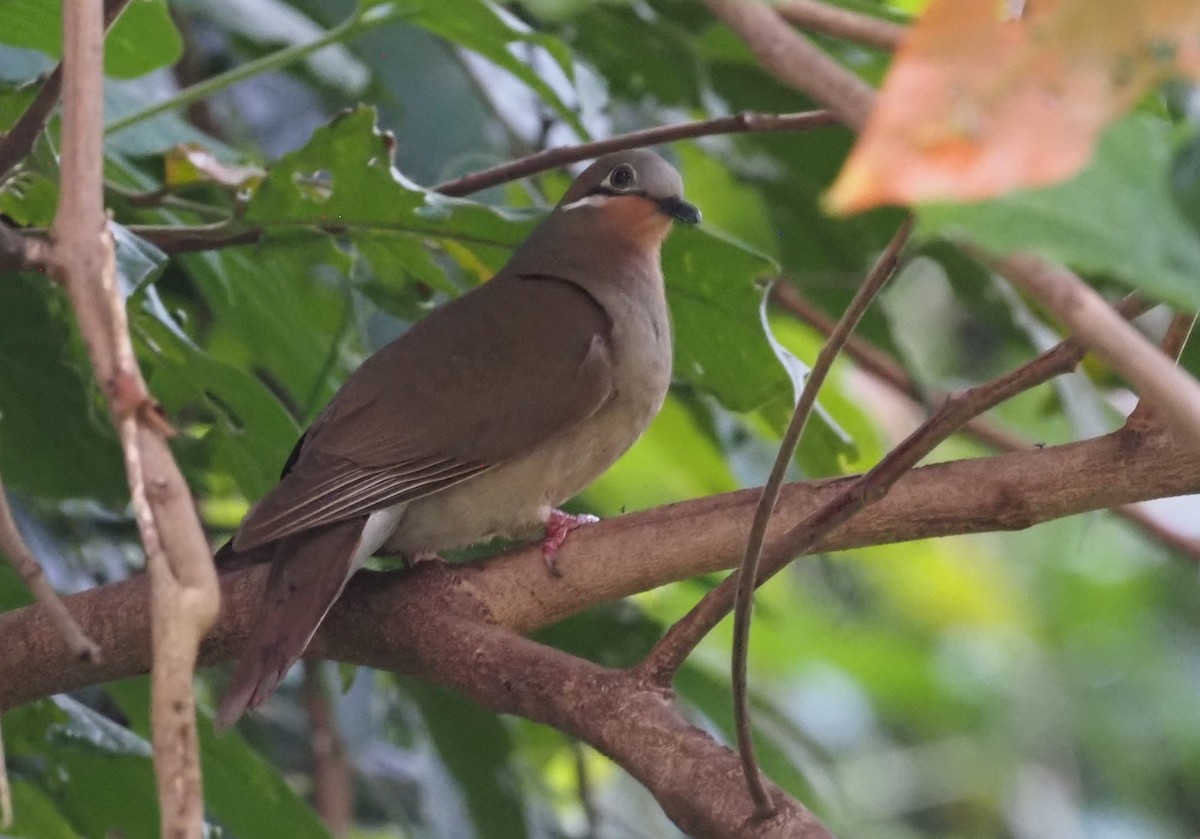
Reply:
x=622, y=178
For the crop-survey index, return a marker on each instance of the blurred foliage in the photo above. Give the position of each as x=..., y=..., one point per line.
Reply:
x=1039, y=684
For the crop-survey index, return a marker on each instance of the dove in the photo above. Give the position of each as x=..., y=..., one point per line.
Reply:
x=480, y=419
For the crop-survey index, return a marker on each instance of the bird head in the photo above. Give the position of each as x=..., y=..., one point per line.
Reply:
x=634, y=191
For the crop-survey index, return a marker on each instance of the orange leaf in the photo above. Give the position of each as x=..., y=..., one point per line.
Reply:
x=978, y=103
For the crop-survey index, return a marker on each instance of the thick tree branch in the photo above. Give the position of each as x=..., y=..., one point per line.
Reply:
x=826, y=19
x=794, y=60
x=425, y=622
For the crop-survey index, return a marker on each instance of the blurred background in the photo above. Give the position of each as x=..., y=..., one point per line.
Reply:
x=1035, y=684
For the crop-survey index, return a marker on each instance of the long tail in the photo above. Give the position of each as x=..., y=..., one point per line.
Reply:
x=307, y=575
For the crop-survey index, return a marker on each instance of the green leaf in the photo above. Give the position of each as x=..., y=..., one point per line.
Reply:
x=34, y=814
x=1117, y=218
x=156, y=134
x=616, y=634
x=281, y=310
x=29, y=199
x=251, y=432
x=242, y=791
x=787, y=760
x=636, y=59
x=1185, y=180
x=715, y=289
x=276, y=23
x=676, y=458
x=144, y=38
x=97, y=774
x=343, y=176
x=399, y=274
x=476, y=747
x=493, y=32
x=55, y=439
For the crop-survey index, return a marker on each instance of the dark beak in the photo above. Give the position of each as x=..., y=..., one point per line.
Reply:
x=680, y=210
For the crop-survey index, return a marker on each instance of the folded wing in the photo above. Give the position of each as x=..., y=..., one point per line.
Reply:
x=468, y=388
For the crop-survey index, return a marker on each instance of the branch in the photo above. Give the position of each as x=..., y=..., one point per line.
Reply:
x=837, y=22
x=333, y=782
x=879, y=364
x=173, y=238
x=6, y=808
x=424, y=622
x=858, y=494
x=20, y=252
x=182, y=576
x=26, y=565
x=865, y=354
x=543, y=161
x=16, y=145
x=1178, y=332
x=1172, y=393
x=796, y=61
x=638, y=552
x=747, y=573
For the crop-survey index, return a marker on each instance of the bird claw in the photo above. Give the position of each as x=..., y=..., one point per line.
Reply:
x=558, y=526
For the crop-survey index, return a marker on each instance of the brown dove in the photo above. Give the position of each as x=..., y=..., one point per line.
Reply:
x=479, y=420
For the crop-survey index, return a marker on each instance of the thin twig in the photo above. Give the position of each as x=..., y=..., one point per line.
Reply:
x=745, y=576
x=16, y=145
x=6, y=808
x=865, y=354
x=18, y=142
x=1174, y=395
x=1189, y=546
x=543, y=161
x=1172, y=345
x=793, y=59
x=173, y=239
x=874, y=361
x=333, y=785
x=18, y=252
x=583, y=784
x=678, y=642
x=826, y=19
x=166, y=196
x=26, y=565
x=1177, y=335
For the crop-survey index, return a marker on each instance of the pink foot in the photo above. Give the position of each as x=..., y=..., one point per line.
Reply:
x=557, y=527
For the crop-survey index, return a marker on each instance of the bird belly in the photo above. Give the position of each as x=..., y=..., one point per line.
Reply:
x=514, y=499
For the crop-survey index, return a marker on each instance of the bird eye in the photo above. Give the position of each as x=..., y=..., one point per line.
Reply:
x=622, y=178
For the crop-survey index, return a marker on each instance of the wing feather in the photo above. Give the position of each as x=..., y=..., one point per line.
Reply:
x=476, y=383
